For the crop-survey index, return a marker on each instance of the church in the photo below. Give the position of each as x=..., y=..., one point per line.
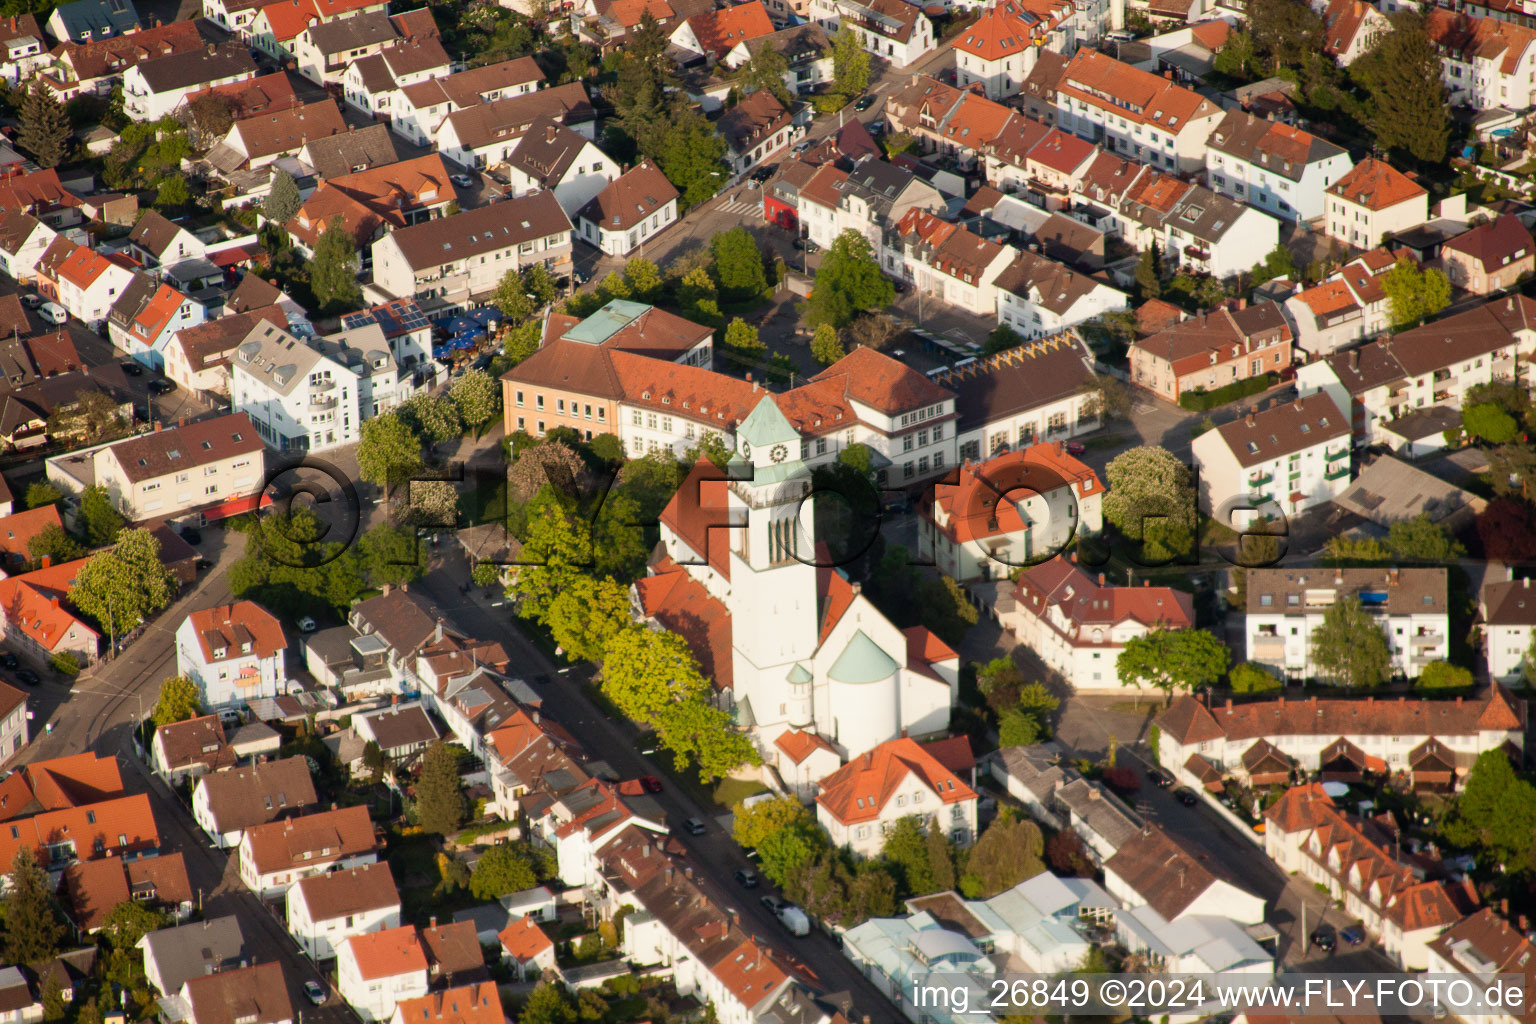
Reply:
x=795, y=651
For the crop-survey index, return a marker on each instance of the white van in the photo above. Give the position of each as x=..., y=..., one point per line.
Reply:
x=53, y=313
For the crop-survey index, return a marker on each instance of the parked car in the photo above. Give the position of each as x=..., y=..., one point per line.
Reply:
x=746, y=879
x=762, y=174
x=1160, y=778
x=1075, y=447
x=774, y=904
x=650, y=783
x=315, y=993
x=462, y=180
x=9, y=660
x=1323, y=939
x=1353, y=936
x=694, y=827
x=306, y=625
x=53, y=313
x=865, y=102
x=876, y=127
x=133, y=369
x=802, y=146
x=901, y=287
x=161, y=386
x=27, y=676
x=1186, y=796
x=31, y=301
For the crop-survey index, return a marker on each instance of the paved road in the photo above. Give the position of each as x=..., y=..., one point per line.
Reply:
x=715, y=855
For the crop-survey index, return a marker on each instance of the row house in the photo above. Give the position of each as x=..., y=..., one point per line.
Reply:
x=1291, y=457
x=1005, y=159
x=240, y=16
x=524, y=755
x=1347, y=306
x=324, y=49
x=1135, y=113
x=93, y=889
x=94, y=68
x=1272, y=166
x=1478, y=948
x=870, y=198
x=1078, y=624
x=273, y=857
x=233, y=653
x=1350, y=859
x=579, y=822
x=999, y=49
x=1008, y=512
x=1372, y=201
x=635, y=206
x=1507, y=611
x=156, y=87
x=1484, y=63
x=147, y=315
x=374, y=84
x=1212, y=350
x=947, y=261
x=326, y=910
x=1042, y=390
x=863, y=800
x=1038, y=297
x=226, y=803
x=1285, y=607
x=1427, y=367
x=485, y=135
x=449, y=262
x=757, y=128
x=890, y=29
x=421, y=108
x=121, y=827
x=259, y=141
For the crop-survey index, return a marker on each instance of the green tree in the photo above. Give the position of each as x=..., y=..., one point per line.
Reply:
x=389, y=452
x=751, y=826
x=44, y=127
x=1284, y=33
x=858, y=457
x=785, y=854
x=1236, y=57
x=333, y=270
x=1496, y=812
x=433, y=418
x=1007, y=853
x=478, y=397
x=440, y=805
x=826, y=346
x=556, y=550
x=1149, y=274
x=179, y=700
x=905, y=851
x=1421, y=539
x=52, y=543
x=741, y=340
x=389, y=554
x=1252, y=678
x=375, y=761
x=499, y=871
x=122, y=587
x=1344, y=550
x=999, y=681
x=738, y=265
x=646, y=670
x=941, y=860
x=1001, y=339
x=127, y=923
x=586, y=613
x=644, y=279
x=54, y=1006
x=692, y=157
x=1349, y=648
x=1172, y=660
x=1151, y=495
x=548, y=1003
x=1442, y=675
x=1489, y=422
x=699, y=733
x=1402, y=73
x=282, y=203
x=1017, y=728
x=848, y=282
x=765, y=70
x=1414, y=294
x=850, y=63
x=97, y=519
x=41, y=492
x=32, y=928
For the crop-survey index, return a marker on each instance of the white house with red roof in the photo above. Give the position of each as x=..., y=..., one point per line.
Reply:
x=1078, y=625
x=1306, y=834
x=716, y=33
x=1371, y=200
x=803, y=760
x=376, y=971
x=1348, y=305
x=36, y=621
x=326, y=908
x=861, y=801
x=1279, y=169
x=948, y=262
x=89, y=283
x=468, y=1004
x=1485, y=62
x=1134, y=113
x=1010, y=511
x=233, y=652
x=527, y=950
x=147, y=315
x=999, y=49
x=741, y=551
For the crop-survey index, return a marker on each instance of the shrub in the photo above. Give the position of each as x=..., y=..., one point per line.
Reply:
x=65, y=663
x=829, y=102
x=1251, y=678
x=1200, y=400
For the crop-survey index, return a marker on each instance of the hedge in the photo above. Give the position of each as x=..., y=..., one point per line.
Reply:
x=1199, y=400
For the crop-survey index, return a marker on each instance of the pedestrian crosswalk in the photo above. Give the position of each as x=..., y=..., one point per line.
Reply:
x=742, y=206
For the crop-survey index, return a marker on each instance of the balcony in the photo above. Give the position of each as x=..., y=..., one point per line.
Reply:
x=1442, y=375
x=323, y=384
x=322, y=401
x=1442, y=395
x=1338, y=472
x=1342, y=453
x=1262, y=480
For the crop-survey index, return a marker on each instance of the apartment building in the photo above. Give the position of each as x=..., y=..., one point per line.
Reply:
x=1212, y=350
x=1038, y=297
x=1040, y=391
x=1507, y=609
x=1010, y=511
x=946, y=261
x=446, y=263
x=1371, y=201
x=1485, y=63
x=1289, y=457
x=1206, y=233
x=297, y=398
x=1273, y=166
x=421, y=109
x=1347, y=306
x=1478, y=948
x=551, y=157
x=757, y=128
x=154, y=88
x=998, y=50
x=860, y=802
x=870, y=198
x=1285, y=606
x=891, y=29
x=1134, y=113
x=234, y=653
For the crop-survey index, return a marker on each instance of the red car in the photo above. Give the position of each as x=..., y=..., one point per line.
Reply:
x=1075, y=447
x=650, y=783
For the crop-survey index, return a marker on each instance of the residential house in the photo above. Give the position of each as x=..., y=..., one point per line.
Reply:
x=198, y=357
x=227, y=803
x=1273, y=166
x=946, y=261
x=1348, y=305
x=449, y=262
x=407, y=332
x=998, y=50
x=190, y=749
x=233, y=653
x=373, y=83
x=1351, y=29
x=1491, y=257
x=454, y=956
x=1005, y=159
x=1134, y=113
x=1479, y=947
x=41, y=628
x=1206, y=233
x=872, y=197
x=1010, y=511
x=322, y=50
x=173, y=956
x=1157, y=871
x=325, y=910
x=1285, y=606
x=1078, y=625
x=147, y=315
x=276, y=855
x=373, y=201
x=354, y=151
x=213, y=467
x=93, y=889
x=1352, y=860
x=1507, y=611
x=1486, y=63
x=1212, y=350
x=378, y=970
x=806, y=50
x=259, y=141
x=861, y=801
x=42, y=195
x=85, y=283
x=713, y=34
x=421, y=109
x=96, y=67
x=21, y=45
x=257, y=994
x=1038, y=297
x=896, y=31
x=23, y=240
x=551, y=157
x=526, y=949
x=1038, y=391
x=156, y=87
x=1290, y=457
x=1372, y=201
x=755, y=129
x=402, y=730
x=156, y=241
x=19, y=529
x=484, y=135
x=21, y=1005
x=122, y=828
x=83, y=20
x=632, y=208
x=468, y=1004
x=803, y=759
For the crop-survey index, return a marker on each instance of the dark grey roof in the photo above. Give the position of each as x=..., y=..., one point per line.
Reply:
x=352, y=151
x=1205, y=215
x=196, y=67
x=98, y=19
x=359, y=30
x=877, y=183
x=482, y=230
x=191, y=950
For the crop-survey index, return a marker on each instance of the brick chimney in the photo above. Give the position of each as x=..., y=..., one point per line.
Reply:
x=1354, y=359
x=47, y=561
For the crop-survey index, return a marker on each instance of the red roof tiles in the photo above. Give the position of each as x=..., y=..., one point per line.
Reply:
x=860, y=789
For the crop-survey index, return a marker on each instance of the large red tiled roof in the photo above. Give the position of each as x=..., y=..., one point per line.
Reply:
x=1012, y=26
x=388, y=954
x=523, y=940
x=1496, y=712
x=719, y=31
x=699, y=514
x=982, y=500
x=281, y=845
x=1376, y=185
x=800, y=744
x=124, y=825
x=17, y=530
x=680, y=603
x=888, y=385
x=232, y=626
x=1131, y=93
x=859, y=789
x=1084, y=601
x=469, y=1004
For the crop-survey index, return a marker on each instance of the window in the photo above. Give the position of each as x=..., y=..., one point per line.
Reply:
x=635, y=417
x=906, y=443
x=539, y=403
x=560, y=406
